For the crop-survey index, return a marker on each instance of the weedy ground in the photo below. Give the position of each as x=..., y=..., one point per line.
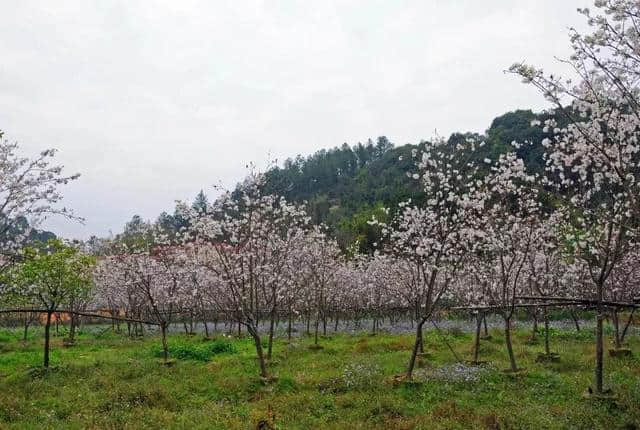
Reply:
x=108, y=381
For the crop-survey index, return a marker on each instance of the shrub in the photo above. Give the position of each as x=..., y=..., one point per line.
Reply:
x=200, y=352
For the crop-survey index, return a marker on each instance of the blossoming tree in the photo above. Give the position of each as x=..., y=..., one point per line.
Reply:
x=594, y=161
x=435, y=239
x=245, y=240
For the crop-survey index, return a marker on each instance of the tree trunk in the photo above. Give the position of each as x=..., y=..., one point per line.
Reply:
x=547, y=350
x=256, y=339
x=507, y=338
x=289, y=323
x=626, y=326
x=534, y=332
x=486, y=329
x=575, y=320
x=47, y=335
x=476, y=347
x=599, y=374
x=72, y=328
x=206, y=327
x=272, y=324
x=26, y=327
x=165, y=347
x=324, y=325
x=416, y=347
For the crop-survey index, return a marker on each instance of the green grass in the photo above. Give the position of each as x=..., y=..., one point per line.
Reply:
x=107, y=381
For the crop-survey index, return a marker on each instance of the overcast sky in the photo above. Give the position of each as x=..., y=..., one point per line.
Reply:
x=152, y=101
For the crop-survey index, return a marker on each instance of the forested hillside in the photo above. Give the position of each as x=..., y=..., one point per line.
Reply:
x=345, y=186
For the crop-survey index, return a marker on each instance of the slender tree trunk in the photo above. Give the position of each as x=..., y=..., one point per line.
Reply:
x=421, y=341
x=507, y=338
x=626, y=326
x=206, y=327
x=486, y=329
x=476, y=348
x=534, y=331
x=289, y=324
x=599, y=354
x=72, y=328
x=317, y=325
x=416, y=347
x=26, y=327
x=257, y=341
x=47, y=335
x=324, y=325
x=165, y=347
x=575, y=319
x=547, y=350
x=337, y=319
x=272, y=325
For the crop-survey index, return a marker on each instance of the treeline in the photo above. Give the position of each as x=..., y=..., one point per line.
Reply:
x=346, y=185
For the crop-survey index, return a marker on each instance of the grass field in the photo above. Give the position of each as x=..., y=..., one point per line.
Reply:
x=110, y=381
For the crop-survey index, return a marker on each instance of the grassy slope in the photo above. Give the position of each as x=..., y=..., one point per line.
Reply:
x=109, y=381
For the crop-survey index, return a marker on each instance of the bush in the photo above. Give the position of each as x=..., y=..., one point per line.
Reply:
x=200, y=352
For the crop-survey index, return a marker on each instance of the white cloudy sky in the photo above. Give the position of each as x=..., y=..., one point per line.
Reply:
x=151, y=101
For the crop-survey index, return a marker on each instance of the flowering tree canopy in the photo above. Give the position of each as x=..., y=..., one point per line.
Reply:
x=29, y=191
